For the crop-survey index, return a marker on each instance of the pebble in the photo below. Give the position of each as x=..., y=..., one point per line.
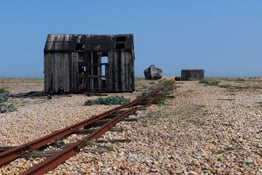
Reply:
x=194, y=133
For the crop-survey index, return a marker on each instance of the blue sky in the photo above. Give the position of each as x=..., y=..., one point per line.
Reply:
x=224, y=37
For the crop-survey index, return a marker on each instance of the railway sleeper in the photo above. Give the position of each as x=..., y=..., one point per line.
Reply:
x=91, y=130
x=103, y=121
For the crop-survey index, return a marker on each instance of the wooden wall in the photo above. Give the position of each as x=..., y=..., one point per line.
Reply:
x=57, y=77
x=192, y=74
x=65, y=56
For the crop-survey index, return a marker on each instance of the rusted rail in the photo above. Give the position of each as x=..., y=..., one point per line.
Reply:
x=73, y=149
x=16, y=152
x=113, y=116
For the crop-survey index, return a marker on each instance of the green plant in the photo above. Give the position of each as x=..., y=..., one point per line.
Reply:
x=239, y=80
x=226, y=86
x=160, y=102
x=210, y=82
x=89, y=143
x=169, y=84
x=145, y=93
x=7, y=108
x=2, y=90
x=113, y=100
x=165, y=87
x=3, y=99
x=256, y=87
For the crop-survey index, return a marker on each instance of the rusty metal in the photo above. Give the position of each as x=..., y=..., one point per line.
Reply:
x=110, y=124
x=73, y=149
x=16, y=152
x=11, y=154
x=115, y=115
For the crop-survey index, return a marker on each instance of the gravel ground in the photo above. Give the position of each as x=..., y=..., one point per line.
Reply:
x=202, y=130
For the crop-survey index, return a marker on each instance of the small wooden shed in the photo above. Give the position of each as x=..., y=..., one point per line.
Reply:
x=76, y=63
x=192, y=74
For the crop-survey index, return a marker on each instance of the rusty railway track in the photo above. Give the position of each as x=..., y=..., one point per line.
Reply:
x=118, y=113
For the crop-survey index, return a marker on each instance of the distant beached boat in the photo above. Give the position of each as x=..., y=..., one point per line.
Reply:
x=152, y=73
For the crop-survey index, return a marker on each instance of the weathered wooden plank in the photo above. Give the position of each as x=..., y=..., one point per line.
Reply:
x=116, y=71
x=122, y=71
x=62, y=53
x=109, y=82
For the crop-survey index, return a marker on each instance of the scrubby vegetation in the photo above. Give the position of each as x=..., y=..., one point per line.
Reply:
x=235, y=84
x=2, y=90
x=3, y=99
x=6, y=107
x=165, y=86
x=113, y=100
x=209, y=82
x=218, y=84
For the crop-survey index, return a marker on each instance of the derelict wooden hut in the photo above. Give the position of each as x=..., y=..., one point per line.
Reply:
x=89, y=63
x=192, y=74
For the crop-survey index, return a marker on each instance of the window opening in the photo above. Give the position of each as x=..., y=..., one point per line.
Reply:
x=104, y=61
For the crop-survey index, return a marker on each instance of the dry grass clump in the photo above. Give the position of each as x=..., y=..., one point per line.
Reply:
x=234, y=84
